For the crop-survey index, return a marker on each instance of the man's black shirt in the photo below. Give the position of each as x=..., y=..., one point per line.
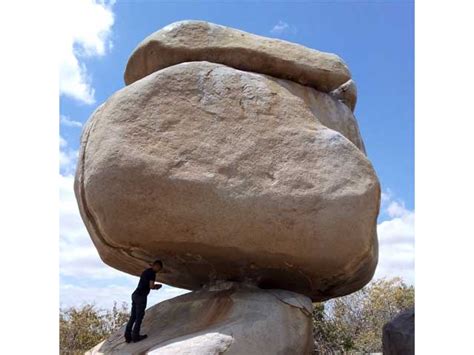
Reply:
x=143, y=288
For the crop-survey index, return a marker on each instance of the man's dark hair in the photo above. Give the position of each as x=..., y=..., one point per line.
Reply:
x=158, y=262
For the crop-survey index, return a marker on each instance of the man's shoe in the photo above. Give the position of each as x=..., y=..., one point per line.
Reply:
x=140, y=337
x=128, y=338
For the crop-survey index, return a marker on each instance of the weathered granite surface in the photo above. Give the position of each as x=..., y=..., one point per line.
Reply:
x=226, y=174
x=228, y=318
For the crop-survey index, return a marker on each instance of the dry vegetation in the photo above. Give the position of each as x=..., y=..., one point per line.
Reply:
x=353, y=324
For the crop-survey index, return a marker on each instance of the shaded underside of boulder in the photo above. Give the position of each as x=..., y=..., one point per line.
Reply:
x=399, y=334
x=227, y=319
x=226, y=174
x=188, y=41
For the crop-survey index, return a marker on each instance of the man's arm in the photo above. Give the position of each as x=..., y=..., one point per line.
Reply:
x=152, y=284
x=155, y=286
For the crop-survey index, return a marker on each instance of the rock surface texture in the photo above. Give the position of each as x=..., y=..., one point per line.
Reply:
x=226, y=174
x=188, y=41
x=399, y=334
x=225, y=319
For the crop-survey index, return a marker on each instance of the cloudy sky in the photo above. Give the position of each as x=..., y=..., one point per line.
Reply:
x=375, y=40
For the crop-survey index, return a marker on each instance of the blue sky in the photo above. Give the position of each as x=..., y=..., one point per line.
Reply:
x=375, y=39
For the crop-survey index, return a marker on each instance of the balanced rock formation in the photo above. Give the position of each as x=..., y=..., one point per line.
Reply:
x=236, y=160
x=226, y=318
x=399, y=334
x=227, y=174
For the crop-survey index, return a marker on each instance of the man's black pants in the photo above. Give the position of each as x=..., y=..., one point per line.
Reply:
x=138, y=312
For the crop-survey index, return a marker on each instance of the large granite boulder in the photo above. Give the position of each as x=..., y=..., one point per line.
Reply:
x=399, y=334
x=187, y=41
x=231, y=175
x=226, y=318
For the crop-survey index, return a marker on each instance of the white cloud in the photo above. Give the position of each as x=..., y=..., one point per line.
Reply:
x=85, y=30
x=67, y=157
x=396, y=242
x=106, y=294
x=62, y=142
x=282, y=27
x=396, y=209
x=386, y=196
x=103, y=296
x=78, y=256
x=67, y=121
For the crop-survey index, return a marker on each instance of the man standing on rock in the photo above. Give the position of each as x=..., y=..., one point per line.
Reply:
x=139, y=297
